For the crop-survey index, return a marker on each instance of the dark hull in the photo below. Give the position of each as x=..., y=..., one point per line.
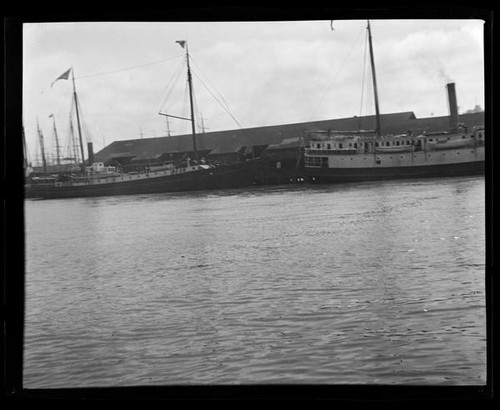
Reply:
x=228, y=176
x=338, y=175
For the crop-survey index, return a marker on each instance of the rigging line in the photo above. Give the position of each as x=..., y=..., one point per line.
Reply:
x=185, y=106
x=335, y=75
x=227, y=107
x=173, y=80
x=210, y=83
x=126, y=68
x=362, y=84
x=228, y=111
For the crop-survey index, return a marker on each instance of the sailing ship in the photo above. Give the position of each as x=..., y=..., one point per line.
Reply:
x=346, y=156
x=97, y=179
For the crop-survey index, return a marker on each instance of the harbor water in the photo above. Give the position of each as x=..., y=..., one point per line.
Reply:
x=375, y=283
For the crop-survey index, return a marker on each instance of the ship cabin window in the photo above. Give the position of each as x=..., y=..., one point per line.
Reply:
x=350, y=144
x=387, y=143
x=356, y=145
x=328, y=146
x=397, y=142
x=376, y=144
x=340, y=145
x=318, y=145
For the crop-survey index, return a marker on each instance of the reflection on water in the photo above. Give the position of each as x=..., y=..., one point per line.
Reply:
x=377, y=283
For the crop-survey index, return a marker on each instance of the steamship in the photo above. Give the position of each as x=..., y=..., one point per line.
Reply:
x=346, y=156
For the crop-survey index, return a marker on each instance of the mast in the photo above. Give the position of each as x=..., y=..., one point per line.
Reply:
x=25, y=150
x=190, y=82
x=58, y=158
x=73, y=142
x=42, y=148
x=183, y=44
x=78, y=117
x=375, y=92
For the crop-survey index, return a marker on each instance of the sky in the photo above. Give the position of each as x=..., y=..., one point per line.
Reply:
x=245, y=74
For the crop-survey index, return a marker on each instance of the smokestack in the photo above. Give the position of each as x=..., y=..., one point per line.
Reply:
x=90, y=149
x=452, y=102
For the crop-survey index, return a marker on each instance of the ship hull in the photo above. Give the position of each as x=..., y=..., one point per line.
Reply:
x=229, y=176
x=340, y=175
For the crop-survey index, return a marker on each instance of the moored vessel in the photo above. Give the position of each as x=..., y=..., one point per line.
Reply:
x=336, y=156
x=188, y=174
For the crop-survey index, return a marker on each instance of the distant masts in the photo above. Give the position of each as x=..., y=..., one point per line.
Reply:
x=202, y=120
x=168, y=126
x=58, y=156
x=42, y=147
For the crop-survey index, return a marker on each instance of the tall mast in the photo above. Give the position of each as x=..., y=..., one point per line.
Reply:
x=58, y=157
x=42, y=148
x=375, y=92
x=78, y=117
x=190, y=82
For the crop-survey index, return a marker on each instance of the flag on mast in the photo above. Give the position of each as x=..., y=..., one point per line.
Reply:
x=63, y=76
x=182, y=43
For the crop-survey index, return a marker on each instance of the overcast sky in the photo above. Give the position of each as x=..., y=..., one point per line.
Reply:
x=265, y=73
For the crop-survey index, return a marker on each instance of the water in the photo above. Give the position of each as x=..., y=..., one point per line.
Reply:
x=377, y=283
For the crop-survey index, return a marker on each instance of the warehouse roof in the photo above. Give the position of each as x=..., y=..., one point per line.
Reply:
x=286, y=135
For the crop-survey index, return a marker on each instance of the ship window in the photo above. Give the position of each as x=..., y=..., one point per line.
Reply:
x=376, y=144
x=340, y=145
x=355, y=145
x=397, y=142
x=318, y=145
x=387, y=143
x=329, y=146
x=350, y=144
x=377, y=161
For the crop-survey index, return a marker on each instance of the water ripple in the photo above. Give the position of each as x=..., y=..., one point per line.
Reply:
x=356, y=284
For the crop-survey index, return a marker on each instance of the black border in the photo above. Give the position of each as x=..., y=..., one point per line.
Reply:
x=13, y=205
